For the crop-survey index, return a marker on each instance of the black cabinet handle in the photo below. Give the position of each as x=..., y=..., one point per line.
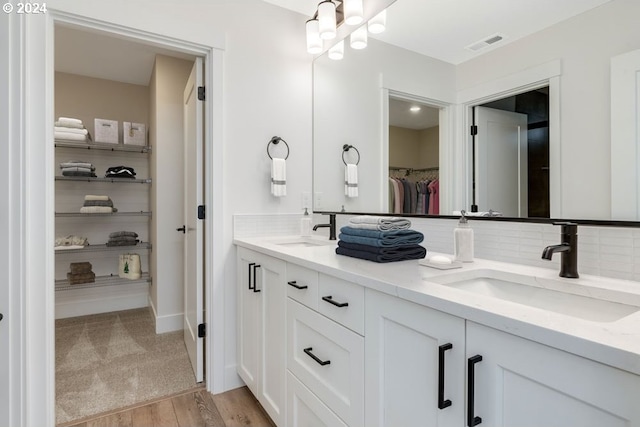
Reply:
x=442, y=403
x=314, y=357
x=472, y=420
x=1, y=317
x=250, y=266
x=330, y=300
x=183, y=229
x=295, y=285
x=255, y=288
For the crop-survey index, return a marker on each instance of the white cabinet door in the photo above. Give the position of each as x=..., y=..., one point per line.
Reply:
x=403, y=344
x=522, y=383
x=261, y=344
x=247, y=322
x=305, y=409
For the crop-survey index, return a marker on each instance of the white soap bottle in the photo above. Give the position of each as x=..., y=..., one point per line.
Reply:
x=463, y=240
x=305, y=224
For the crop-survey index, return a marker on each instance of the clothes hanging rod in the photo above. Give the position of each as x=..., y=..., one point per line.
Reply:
x=434, y=168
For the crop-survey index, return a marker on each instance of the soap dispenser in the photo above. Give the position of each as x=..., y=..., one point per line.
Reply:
x=463, y=240
x=305, y=224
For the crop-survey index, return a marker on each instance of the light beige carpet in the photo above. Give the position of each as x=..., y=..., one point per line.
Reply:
x=109, y=361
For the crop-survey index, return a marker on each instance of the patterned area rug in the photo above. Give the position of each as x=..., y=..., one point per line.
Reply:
x=112, y=360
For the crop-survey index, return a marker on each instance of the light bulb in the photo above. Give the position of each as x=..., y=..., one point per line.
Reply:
x=314, y=42
x=378, y=23
x=353, y=12
x=359, y=38
x=327, y=19
x=337, y=52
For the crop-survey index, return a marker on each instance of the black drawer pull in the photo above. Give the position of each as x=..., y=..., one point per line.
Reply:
x=314, y=357
x=251, y=265
x=295, y=285
x=330, y=300
x=472, y=420
x=255, y=288
x=442, y=403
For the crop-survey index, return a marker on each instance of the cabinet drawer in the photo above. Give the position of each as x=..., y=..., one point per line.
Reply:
x=342, y=301
x=328, y=359
x=305, y=409
x=300, y=277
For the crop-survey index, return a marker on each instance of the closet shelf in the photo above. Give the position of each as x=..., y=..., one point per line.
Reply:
x=91, y=215
x=101, y=281
x=104, y=248
x=101, y=146
x=92, y=179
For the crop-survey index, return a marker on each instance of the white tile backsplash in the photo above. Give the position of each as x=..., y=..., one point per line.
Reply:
x=602, y=251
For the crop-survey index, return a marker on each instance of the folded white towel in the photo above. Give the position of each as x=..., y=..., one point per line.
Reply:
x=488, y=213
x=70, y=120
x=96, y=197
x=69, y=125
x=68, y=247
x=69, y=136
x=380, y=223
x=351, y=180
x=96, y=209
x=73, y=164
x=278, y=177
x=70, y=130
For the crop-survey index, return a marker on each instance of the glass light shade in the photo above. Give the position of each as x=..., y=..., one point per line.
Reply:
x=314, y=42
x=327, y=19
x=353, y=12
x=359, y=38
x=378, y=23
x=337, y=52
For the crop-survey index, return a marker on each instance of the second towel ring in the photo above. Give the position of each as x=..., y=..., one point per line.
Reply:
x=275, y=140
x=347, y=147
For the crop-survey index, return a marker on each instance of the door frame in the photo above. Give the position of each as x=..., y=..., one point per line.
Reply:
x=34, y=316
x=547, y=74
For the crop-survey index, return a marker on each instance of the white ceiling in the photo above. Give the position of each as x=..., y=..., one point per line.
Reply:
x=400, y=115
x=96, y=54
x=443, y=28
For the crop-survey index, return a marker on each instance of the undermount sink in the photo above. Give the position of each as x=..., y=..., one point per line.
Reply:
x=577, y=300
x=303, y=242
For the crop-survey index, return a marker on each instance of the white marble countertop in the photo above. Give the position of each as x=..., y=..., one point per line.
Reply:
x=614, y=343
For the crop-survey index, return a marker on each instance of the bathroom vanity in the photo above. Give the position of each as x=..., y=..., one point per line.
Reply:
x=325, y=339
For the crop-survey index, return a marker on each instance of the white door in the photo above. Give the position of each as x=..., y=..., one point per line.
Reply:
x=193, y=244
x=625, y=136
x=501, y=162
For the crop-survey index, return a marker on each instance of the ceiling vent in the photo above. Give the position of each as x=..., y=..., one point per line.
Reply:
x=486, y=42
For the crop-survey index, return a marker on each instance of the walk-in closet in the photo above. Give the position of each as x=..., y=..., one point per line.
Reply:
x=119, y=181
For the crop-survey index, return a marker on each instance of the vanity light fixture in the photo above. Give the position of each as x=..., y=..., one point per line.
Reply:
x=353, y=12
x=378, y=23
x=327, y=19
x=359, y=38
x=337, y=51
x=314, y=42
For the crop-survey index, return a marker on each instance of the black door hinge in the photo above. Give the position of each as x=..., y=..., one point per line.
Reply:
x=200, y=93
x=202, y=330
x=474, y=130
x=201, y=212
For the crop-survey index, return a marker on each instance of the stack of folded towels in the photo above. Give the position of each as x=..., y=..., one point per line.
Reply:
x=380, y=239
x=123, y=238
x=70, y=242
x=97, y=204
x=70, y=129
x=81, y=273
x=78, y=168
x=120, y=172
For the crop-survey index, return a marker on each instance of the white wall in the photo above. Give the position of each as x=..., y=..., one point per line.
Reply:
x=348, y=107
x=166, y=135
x=585, y=44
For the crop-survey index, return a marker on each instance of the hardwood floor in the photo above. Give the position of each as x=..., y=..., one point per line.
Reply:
x=192, y=409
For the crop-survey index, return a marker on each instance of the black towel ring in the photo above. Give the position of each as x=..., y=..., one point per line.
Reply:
x=275, y=140
x=347, y=147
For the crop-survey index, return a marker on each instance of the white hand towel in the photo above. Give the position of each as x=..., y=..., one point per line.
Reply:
x=70, y=136
x=351, y=180
x=70, y=120
x=278, y=177
x=69, y=125
x=70, y=130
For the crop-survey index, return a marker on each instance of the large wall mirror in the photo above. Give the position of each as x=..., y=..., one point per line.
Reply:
x=552, y=85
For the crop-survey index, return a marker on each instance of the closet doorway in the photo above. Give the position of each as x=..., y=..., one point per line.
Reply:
x=121, y=331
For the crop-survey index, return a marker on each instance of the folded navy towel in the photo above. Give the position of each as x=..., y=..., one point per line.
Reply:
x=380, y=238
x=402, y=254
x=378, y=250
x=123, y=233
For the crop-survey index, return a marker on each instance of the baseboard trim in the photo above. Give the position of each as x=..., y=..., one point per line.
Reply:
x=168, y=323
x=100, y=300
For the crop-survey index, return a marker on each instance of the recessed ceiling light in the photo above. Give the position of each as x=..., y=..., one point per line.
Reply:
x=415, y=109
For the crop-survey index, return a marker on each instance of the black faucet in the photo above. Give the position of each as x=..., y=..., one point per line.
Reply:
x=331, y=225
x=569, y=249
